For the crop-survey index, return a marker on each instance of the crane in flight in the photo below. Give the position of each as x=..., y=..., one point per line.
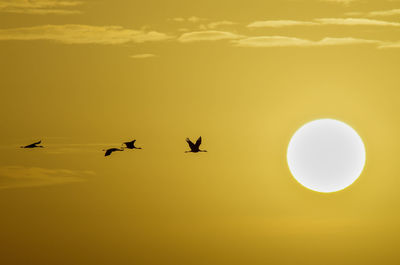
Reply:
x=194, y=148
x=111, y=150
x=131, y=145
x=34, y=145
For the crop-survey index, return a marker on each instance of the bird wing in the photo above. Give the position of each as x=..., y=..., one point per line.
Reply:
x=108, y=152
x=130, y=144
x=191, y=145
x=37, y=142
x=198, y=142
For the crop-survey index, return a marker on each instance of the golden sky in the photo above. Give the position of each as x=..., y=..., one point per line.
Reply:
x=245, y=75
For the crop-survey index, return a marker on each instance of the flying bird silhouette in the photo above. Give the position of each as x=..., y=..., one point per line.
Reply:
x=194, y=148
x=131, y=145
x=111, y=150
x=34, y=145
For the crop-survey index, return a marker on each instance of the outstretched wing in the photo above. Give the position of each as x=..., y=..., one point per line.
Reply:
x=130, y=144
x=191, y=145
x=108, y=152
x=198, y=142
x=133, y=143
x=32, y=145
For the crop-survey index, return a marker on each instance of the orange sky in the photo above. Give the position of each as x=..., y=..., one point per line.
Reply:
x=245, y=75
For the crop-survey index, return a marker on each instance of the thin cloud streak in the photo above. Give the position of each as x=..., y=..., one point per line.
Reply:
x=283, y=41
x=82, y=34
x=208, y=35
x=72, y=148
x=62, y=149
x=23, y=177
x=143, y=56
x=383, y=13
x=345, y=2
x=390, y=45
x=192, y=19
x=39, y=7
x=279, y=23
x=322, y=22
x=216, y=24
x=356, y=22
x=42, y=11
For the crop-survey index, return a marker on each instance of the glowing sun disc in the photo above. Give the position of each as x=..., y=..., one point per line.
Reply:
x=326, y=155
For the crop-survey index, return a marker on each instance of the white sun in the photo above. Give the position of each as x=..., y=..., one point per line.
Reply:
x=326, y=155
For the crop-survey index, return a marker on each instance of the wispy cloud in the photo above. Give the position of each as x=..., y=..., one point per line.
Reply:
x=62, y=148
x=39, y=7
x=206, y=24
x=143, y=56
x=272, y=41
x=82, y=34
x=177, y=19
x=356, y=22
x=346, y=2
x=74, y=148
x=383, y=13
x=283, y=41
x=20, y=177
x=216, y=24
x=195, y=19
x=192, y=19
x=390, y=45
x=323, y=22
x=279, y=23
x=208, y=35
